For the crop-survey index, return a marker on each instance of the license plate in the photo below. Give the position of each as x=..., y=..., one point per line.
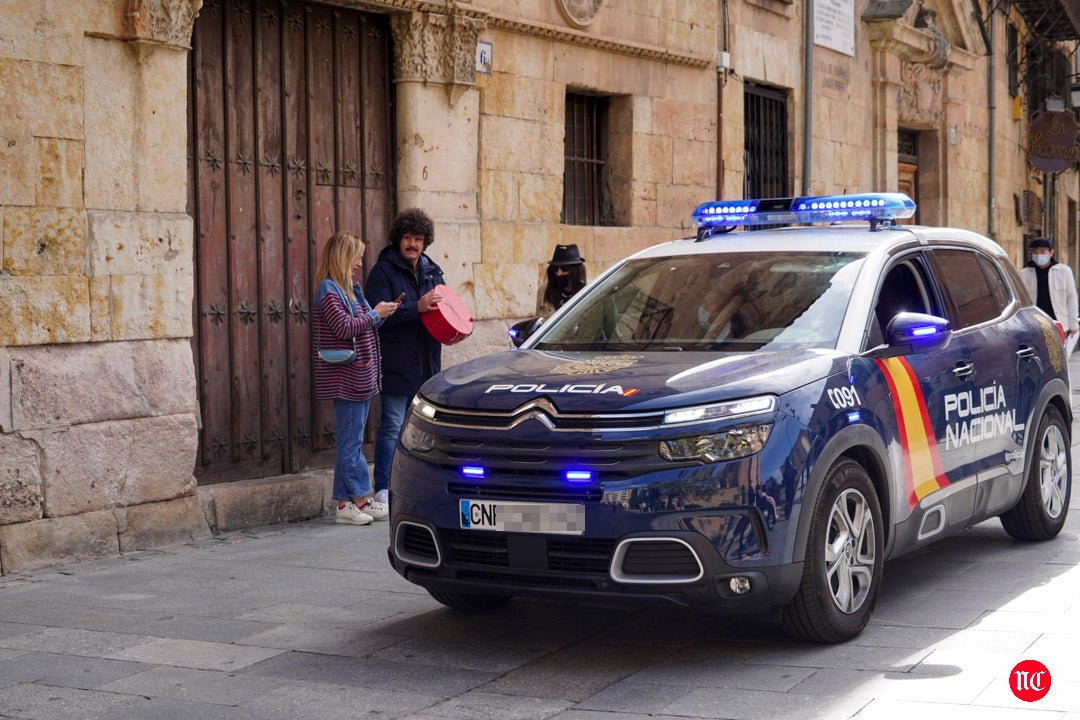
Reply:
x=523, y=517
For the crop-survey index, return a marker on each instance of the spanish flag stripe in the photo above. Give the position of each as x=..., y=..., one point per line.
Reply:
x=934, y=479
x=922, y=461
x=905, y=454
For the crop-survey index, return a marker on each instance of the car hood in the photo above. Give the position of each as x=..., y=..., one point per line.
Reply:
x=615, y=382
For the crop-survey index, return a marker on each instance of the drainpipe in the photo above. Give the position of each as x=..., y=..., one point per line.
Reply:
x=721, y=81
x=991, y=164
x=808, y=86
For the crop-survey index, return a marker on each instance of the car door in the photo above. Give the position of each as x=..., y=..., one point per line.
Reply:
x=1003, y=344
x=939, y=476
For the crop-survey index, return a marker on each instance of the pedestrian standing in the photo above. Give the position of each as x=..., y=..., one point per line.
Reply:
x=565, y=276
x=1053, y=286
x=410, y=355
x=342, y=320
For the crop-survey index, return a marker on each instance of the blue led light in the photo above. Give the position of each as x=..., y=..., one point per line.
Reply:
x=824, y=208
x=512, y=332
x=923, y=331
x=853, y=416
x=577, y=476
x=472, y=471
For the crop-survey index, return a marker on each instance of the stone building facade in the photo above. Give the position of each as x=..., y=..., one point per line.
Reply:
x=100, y=386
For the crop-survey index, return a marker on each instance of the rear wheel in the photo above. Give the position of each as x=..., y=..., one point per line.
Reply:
x=1040, y=512
x=469, y=602
x=844, y=558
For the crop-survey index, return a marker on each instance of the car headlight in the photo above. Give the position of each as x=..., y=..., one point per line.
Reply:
x=415, y=439
x=423, y=407
x=728, y=445
x=721, y=411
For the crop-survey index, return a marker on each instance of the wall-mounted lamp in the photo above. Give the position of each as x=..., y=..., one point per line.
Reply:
x=1074, y=94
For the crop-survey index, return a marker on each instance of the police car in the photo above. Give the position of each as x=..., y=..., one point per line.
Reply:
x=747, y=422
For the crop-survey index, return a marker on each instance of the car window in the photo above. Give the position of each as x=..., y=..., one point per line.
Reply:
x=742, y=302
x=968, y=293
x=904, y=288
x=998, y=286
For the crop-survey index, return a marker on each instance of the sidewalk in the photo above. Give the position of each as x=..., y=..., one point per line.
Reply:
x=307, y=620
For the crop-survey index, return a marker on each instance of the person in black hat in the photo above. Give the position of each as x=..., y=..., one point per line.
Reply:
x=1052, y=285
x=565, y=276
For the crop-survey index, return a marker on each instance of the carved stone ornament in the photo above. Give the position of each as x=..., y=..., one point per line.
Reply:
x=579, y=13
x=920, y=96
x=168, y=22
x=431, y=47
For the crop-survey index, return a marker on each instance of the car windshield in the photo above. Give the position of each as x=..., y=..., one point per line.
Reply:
x=737, y=302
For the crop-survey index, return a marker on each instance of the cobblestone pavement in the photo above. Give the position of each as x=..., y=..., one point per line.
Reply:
x=309, y=621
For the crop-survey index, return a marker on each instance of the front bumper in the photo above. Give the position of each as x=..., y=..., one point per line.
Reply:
x=654, y=568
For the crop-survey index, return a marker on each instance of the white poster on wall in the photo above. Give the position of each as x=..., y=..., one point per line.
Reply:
x=834, y=25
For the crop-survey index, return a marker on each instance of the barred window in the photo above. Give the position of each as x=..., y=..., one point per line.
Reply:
x=1012, y=58
x=766, y=142
x=586, y=196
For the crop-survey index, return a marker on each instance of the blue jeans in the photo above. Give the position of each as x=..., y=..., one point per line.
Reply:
x=351, y=477
x=393, y=415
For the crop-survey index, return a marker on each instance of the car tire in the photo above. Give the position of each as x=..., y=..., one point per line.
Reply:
x=842, y=571
x=1040, y=512
x=469, y=602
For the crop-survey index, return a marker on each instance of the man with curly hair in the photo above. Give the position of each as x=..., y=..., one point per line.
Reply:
x=410, y=355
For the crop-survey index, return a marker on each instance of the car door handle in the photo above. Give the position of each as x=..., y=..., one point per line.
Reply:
x=963, y=370
x=1025, y=352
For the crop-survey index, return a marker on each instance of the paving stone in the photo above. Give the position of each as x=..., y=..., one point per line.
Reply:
x=195, y=654
x=64, y=670
x=48, y=702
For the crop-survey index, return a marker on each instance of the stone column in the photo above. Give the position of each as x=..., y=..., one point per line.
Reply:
x=438, y=141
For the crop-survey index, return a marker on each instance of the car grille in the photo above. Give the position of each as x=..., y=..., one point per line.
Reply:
x=563, y=555
x=536, y=492
x=659, y=558
x=546, y=413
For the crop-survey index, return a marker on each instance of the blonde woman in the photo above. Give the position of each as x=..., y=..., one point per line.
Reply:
x=342, y=319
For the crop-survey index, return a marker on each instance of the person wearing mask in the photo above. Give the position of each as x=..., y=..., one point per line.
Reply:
x=342, y=320
x=410, y=355
x=565, y=276
x=1053, y=286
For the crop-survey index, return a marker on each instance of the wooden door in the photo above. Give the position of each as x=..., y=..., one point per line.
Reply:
x=289, y=142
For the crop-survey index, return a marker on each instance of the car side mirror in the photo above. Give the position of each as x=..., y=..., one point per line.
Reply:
x=519, y=332
x=910, y=332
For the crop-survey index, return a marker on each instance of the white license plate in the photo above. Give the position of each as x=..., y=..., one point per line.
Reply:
x=523, y=517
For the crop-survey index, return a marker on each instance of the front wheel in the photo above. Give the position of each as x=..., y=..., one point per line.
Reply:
x=1040, y=512
x=844, y=559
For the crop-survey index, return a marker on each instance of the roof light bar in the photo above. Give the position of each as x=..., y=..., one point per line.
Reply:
x=823, y=208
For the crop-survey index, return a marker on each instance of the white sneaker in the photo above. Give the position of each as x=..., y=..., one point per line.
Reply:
x=374, y=508
x=349, y=514
x=382, y=496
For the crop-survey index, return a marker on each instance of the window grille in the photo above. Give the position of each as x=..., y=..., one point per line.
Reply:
x=585, y=196
x=765, y=146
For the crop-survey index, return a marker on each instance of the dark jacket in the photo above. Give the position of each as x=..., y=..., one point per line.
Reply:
x=410, y=355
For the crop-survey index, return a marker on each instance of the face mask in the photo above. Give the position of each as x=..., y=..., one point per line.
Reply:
x=1040, y=260
x=561, y=281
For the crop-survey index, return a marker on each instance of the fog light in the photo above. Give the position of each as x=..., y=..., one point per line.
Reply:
x=739, y=585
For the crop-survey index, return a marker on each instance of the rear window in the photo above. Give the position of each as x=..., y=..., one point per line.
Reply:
x=740, y=302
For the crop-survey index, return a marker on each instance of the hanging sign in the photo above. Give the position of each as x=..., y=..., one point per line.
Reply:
x=1052, y=147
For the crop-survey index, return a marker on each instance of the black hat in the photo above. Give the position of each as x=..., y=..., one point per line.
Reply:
x=1040, y=242
x=566, y=255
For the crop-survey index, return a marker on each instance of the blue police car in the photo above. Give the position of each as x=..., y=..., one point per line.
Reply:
x=748, y=422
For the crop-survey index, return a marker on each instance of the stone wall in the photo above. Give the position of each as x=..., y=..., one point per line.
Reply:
x=98, y=417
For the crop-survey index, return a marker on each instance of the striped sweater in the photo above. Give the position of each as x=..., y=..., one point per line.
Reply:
x=334, y=325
